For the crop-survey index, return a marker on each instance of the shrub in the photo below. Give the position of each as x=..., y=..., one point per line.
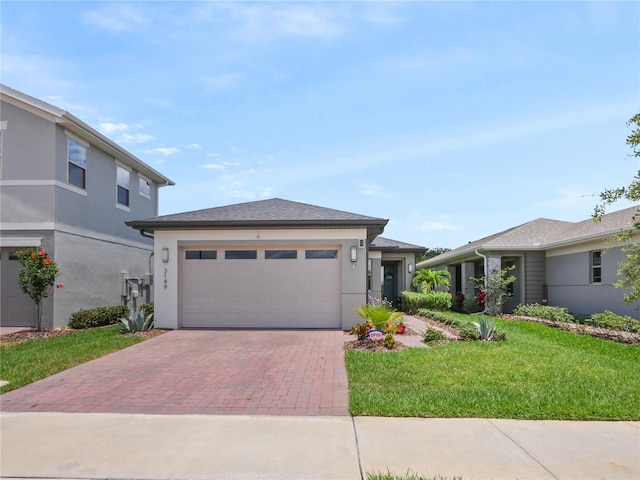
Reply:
x=470, y=305
x=389, y=341
x=414, y=301
x=98, y=317
x=614, y=322
x=360, y=330
x=147, y=308
x=433, y=335
x=467, y=331
x=486, y=328
x=555, y=314
x=440, y=317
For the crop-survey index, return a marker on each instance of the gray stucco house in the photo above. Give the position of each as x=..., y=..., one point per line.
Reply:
x=66, y=187
x=566, y=264
x=272, y=264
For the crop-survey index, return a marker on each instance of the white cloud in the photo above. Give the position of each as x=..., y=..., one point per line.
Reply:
x=194, y=145
x=309, y=21
x=222, y=81
x=134, y=138
x=374, y=190
x=163, y=150
x=437, y=226
x=213, y=166
x=108, y=128
x=116, y=18
x=212, y=155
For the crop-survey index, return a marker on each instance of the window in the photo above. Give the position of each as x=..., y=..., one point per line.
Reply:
x=77, y=161
x=596, y=266
x=314, y=254
x=280, y=254
x=240, y=254
x=123, y=185
x=144, y=187
x=200, y=254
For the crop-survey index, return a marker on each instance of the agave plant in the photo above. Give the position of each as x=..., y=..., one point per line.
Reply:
x=486, y=328
x=136, y=322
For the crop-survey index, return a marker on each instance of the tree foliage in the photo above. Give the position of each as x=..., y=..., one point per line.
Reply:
x=430, y=279
x=432, y=252
x=36, y=277
x=496, y=289
x=628, y=269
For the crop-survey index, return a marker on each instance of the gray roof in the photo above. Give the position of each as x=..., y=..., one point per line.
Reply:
x=543, y=234
x=272, y=213
x=389, y=245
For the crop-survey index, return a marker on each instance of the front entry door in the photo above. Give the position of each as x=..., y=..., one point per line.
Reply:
x=390, y=282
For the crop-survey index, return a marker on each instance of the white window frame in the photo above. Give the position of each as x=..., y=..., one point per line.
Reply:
x=119, y=205
x=143, y=179
x=80, y=142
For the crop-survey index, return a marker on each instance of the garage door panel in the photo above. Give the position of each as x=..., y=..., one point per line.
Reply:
x=272, y=293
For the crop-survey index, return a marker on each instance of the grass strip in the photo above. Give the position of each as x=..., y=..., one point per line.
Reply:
x=538, y=373
x=33, y=360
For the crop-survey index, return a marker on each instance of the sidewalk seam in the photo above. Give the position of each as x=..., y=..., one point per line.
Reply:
x=523, y=449
x=355, y=436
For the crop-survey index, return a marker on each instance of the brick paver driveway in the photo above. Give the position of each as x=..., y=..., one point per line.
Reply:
x=243, y=372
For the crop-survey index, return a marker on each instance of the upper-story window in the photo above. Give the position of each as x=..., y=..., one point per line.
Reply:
x=144, y=186
x=77, y=163
x=596, y=266
x=123, y=186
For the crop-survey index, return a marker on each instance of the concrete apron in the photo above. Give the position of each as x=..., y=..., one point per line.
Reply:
x=116, y=446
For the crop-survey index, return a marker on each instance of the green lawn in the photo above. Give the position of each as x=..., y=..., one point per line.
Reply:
x=33, y=360
x=538, y=373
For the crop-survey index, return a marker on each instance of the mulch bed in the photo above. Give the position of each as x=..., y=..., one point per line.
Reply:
x=577, y=328
x=26, y=335
x=367, y=345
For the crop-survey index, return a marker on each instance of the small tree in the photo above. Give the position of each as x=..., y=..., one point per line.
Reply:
x=629, y=269
x=496, y=289
x=430, y=279
x=36, y=277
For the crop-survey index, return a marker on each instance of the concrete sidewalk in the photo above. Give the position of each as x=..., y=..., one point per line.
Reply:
x=119, y=446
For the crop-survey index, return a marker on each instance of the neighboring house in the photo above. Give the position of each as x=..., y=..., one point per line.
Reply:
x=69, y=189
x=557, y=263
x=269, y=264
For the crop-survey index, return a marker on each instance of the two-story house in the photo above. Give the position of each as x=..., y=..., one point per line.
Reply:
x=68, y=188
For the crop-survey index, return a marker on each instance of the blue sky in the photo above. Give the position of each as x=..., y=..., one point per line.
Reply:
x=454, y=120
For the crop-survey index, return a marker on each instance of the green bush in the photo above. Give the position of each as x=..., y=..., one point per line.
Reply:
x=98, y=317
x=433, y=335
x=555, y=314
x=440, y=317
x=414, y=301
x=468, y=331
x=147, y=308
x=614, y=322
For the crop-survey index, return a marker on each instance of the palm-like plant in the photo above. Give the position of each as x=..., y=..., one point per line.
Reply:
x=430, y=279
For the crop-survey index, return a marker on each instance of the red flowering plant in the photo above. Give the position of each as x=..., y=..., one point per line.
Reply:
x=481, y=299
x=36, y=277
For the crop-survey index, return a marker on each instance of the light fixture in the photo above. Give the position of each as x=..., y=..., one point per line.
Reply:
x=354, y=254
x=165, y=255
x=410, y=267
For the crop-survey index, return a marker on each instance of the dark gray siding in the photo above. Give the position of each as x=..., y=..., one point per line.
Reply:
x=535, y=277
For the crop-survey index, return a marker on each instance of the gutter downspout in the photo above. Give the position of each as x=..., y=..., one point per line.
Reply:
x=145, y=234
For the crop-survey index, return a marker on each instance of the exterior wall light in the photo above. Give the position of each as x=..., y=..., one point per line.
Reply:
x=354, y=254
x=165, y=255
x=410, y=268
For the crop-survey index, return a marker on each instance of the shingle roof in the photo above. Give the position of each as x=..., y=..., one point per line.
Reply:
x=274, y=213
x=544, y=233
x=387, y=244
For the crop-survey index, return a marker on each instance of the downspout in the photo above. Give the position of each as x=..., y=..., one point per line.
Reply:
x=145, y=234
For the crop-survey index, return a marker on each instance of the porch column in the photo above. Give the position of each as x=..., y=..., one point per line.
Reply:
x=468, y=270
x=375, y=275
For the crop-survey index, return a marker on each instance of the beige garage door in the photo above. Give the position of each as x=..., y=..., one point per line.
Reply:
x=264, y=287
